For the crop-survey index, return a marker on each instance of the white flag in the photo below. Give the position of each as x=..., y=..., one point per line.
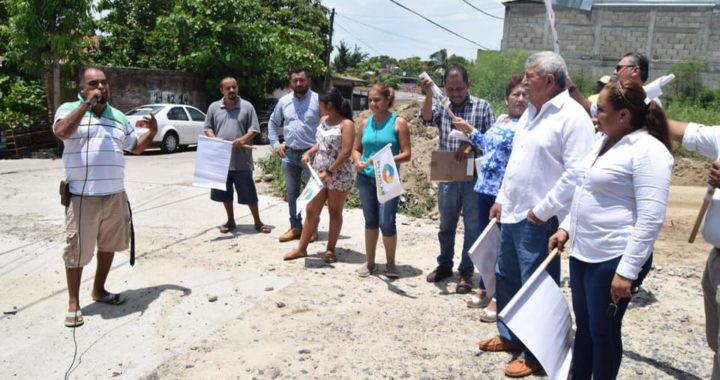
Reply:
x=553, y=30
x=653, y=89
x=540, y=317
x=387, y=177
x=483, y=254
x=212, y=162
x=312, y=188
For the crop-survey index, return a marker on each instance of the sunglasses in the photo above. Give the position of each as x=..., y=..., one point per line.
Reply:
x=620, y=67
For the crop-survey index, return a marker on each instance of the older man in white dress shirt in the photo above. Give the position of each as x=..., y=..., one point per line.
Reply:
x=553, y=136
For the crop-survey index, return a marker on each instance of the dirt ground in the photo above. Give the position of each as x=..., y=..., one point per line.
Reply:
x=202, y=305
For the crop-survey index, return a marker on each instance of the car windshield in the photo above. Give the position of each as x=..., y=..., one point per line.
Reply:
x=142, y=111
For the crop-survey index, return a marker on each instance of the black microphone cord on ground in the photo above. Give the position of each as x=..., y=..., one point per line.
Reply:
x=79, y=236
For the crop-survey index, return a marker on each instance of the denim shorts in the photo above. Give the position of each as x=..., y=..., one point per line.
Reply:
x=377, y=215
x=244, y=186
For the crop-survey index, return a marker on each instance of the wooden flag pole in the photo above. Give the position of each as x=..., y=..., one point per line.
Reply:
x=701, y=215
x=551, y=256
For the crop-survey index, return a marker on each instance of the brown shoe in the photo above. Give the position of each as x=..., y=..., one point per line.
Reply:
x=521, y=368
x=291, y=234
x=464, y=285
x=294, y=254
x=497, y=344
x=439, y=274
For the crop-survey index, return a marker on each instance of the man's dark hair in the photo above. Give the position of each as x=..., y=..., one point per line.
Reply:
x=298, y=70
x=642, y=63
x=81, y=73
x=457, y=68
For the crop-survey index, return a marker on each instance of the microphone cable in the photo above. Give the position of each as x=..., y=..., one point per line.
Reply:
x=79, y=235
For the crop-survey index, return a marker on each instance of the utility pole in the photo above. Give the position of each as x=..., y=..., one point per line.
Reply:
x=326, y=85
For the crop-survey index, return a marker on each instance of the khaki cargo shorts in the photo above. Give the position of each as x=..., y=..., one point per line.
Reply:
x=103, y=219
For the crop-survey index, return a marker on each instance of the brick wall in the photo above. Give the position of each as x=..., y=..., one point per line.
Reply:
x=597, y=39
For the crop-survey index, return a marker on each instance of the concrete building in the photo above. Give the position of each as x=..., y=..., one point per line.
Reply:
x=666, y=31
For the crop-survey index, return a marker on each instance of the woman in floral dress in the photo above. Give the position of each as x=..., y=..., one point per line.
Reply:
x=332, y=162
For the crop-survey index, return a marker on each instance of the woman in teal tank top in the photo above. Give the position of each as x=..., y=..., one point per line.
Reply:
x=381, y=128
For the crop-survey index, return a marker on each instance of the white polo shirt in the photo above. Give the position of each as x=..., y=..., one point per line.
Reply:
x=93, y=155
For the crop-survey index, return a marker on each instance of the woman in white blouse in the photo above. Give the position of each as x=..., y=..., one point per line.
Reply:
x=616, y=215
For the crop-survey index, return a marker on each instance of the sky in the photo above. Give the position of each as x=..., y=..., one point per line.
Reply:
x=380, y=27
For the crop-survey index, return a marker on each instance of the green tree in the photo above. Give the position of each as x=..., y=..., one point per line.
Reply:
x=412, y=66
x=124, y=31
x=47, y=32
x=438, y=63
x=241, y=38
x=347, y=59
x=491, y=72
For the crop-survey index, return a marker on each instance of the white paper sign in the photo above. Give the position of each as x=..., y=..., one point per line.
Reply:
x=540, y=317
x=483, y=254
x=212, y=162
x=456, y=134
x=387, y=177
x=311, y=190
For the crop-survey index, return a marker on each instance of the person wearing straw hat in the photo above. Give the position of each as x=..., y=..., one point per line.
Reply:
x=604, y=80
x=616, y=215
x=706, y=141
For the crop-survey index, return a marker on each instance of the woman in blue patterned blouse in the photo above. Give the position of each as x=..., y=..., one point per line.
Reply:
x=496, y=145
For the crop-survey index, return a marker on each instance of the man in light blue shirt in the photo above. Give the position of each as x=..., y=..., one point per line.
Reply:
x=299, y=114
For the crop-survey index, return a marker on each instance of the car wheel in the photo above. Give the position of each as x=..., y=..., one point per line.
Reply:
x=170, y=142
x=262, y=137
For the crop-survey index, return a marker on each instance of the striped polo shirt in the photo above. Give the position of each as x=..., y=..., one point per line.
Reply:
x=93, y=155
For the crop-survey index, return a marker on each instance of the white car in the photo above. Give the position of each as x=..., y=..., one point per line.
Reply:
x=178, y=124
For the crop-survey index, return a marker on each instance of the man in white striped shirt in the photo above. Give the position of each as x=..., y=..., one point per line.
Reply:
x=95, y=135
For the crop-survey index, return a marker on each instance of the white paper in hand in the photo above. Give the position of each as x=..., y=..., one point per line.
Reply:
x=311, y=190
x=387, y=177
x=483, y=254
x=212, y=162
x=456, y=134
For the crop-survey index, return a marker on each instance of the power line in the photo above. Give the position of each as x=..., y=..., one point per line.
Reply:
x=480, y=10
x=355, y=37
x=436, y=24
x=422, y=42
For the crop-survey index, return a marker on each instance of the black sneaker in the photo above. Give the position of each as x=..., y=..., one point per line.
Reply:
x=439, y=274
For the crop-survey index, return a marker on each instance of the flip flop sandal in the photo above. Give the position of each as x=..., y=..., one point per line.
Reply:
x=74, y=319
x=294, y=254
x=112, y=299
x=225, y=228
x=488, y=316
x=392, y=273
x=476, y=302
x=363, y=271
x=330, y=257
x=263, y=228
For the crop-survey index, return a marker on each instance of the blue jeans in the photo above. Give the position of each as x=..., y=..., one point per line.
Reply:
x=293, y=168
x=377, y=215
x=485, y=203
x=454, y=197
x=598, y=339
x=523, y=247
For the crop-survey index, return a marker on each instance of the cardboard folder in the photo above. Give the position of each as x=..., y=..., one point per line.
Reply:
x=443, y=167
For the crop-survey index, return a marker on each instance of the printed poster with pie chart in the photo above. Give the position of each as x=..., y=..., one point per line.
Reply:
x=312, y=188
x=387, y=177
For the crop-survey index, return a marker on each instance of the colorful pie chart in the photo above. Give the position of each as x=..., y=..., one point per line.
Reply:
x=388, y=173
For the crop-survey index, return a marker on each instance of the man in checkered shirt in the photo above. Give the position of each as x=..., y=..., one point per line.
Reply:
x=456, y=196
